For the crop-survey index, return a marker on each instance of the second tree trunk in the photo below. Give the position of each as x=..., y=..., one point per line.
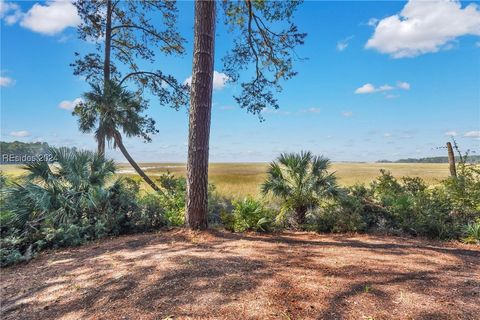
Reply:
x=200, y=112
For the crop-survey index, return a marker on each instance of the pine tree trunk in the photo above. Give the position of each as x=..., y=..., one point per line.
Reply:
x=200, y=113
x=119, y=143
x=108, y=43
x=451, y=160
x=106, y=65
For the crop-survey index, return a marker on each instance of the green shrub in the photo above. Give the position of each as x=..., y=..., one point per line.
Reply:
x=10, y=250
x=472, y=232
x=172, y=200
x=217, y=206
x=342, y=215
x=248, y=214
x=66, y=236
x=150, y=214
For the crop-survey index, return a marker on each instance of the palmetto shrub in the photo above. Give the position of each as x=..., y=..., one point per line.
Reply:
x=472, y=232
x=67, y=202
x=248, y=215
x=301, y=181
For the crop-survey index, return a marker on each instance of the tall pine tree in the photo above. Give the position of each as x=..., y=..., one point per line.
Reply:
x=123, y=35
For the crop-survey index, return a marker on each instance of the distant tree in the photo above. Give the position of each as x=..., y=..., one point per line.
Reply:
x=271, y=52
x=301, y=181
x=124, y=34
x=22, y=152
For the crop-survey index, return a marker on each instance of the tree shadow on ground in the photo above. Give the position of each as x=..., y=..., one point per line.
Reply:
x=234, y=276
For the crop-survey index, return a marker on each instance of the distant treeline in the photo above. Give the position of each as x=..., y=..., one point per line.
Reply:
x=470, y=158
x=20, y=152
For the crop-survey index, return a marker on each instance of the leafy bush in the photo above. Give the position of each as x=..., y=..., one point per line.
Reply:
x=248, y=214
x=217, y=205
x=172, y=199
x=472, y=232
x=342, y=215
x=409, y=206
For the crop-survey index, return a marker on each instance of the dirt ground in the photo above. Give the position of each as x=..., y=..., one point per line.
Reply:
x=220, y=275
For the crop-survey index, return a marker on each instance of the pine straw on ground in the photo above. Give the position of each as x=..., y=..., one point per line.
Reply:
x=219, y=275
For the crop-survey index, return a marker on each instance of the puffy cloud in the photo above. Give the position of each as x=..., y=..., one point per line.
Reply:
x=366, y=88
x=424, y=26
x=219, y=80
x=6, y=81
x=347, y=114
x=10, y=12
x=51, y=18
x=472, y=134
x=451, y=133
x=387, y=135
x=403, y=85
x=69, y=105
x=343, y=44
x=370, y=88
x=20, y=134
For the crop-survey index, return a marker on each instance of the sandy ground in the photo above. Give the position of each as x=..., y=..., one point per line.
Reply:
x=220, y=275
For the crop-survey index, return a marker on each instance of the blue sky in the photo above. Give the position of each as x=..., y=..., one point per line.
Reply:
x=383, y=80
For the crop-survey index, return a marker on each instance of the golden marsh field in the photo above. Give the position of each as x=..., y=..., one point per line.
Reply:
x=242, y=179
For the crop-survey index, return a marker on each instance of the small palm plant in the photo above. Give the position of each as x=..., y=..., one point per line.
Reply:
x=301, y=180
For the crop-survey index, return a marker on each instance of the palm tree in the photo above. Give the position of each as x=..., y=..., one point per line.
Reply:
x=301, y=180
x=107, y=111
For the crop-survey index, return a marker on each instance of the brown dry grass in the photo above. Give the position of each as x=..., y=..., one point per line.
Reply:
x=220, y=275
x=237, y=180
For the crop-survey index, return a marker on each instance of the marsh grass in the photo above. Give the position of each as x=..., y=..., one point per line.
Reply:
x=238, y=180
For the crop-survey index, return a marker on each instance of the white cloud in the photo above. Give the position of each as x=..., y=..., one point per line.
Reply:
x=347, y=114
x=69, y=105
x=311, y=110
x=366, y=88
x=51, y=18
x=6, y=81
x=424, y=26
x=372, y=22
x=20, y=134
x=387, y=135
x=219, y=80
x=343, y=44
x=274, y=111
x=370, y=88
x=451, y=133
x=10, y=12
x=472, y=134
x=403, y=85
